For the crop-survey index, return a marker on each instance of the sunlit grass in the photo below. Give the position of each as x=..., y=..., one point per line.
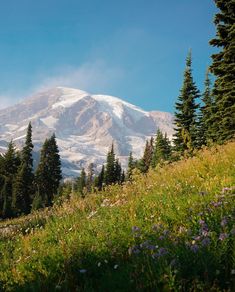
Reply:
x=172, y=230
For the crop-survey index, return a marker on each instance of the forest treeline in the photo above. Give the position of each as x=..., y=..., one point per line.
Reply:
x=201, y=119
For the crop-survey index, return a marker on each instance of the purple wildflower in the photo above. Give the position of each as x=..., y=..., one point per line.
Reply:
x=223, y=236
x=194, y=248
x=217, y=204
x=206, y=241
x=133, y=250
x=197, y=238
x=201, y=222
x=224, y=222
x=145, y=244
x=166, y=232
x=161, y=252
x=135, y=229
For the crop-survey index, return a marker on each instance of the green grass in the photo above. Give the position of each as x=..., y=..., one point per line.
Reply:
x=172, y=230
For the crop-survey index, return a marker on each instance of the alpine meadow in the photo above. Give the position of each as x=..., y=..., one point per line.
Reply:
x=97, y=194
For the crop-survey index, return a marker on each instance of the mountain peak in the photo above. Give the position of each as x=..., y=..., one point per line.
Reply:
x=85, y=125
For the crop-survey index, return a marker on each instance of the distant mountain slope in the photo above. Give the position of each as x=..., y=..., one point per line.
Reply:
x=85, y=125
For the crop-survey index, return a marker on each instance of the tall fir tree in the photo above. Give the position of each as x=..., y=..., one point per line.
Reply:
x=162, y=149
x=10, y=164
x=99, y=180
x=110, y=167
x=118, y=172
x=186, y=130
x=145, y=161
x=90, y=174
x=131, y=166
x=23, y=191
x=81, y=183
x=206, y=114
x=48, y=173
x=223, y=67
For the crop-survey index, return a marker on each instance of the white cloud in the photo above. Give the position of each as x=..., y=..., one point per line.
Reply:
x=95, y=77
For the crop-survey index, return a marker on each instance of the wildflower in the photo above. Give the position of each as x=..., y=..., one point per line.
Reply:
x=206, y=241
x=133, y=250
x=232, y=272
x=99, y=264
x=224, y=222
x=106, y=261
x=223, y=236
x=194, y=248
x=135, y=229
x=82, y=271
x=201, y=222
x=166, y=232
x=217, y=204
x=115, y=267
x=197, y=238
x=162, y=251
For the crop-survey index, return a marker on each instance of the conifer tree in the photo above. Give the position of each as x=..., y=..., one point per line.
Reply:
x=6, y=194
x=23, y=184
x=162, y=149
x=145, y=162
x=206, y=114
x=131, y=166
x=48, y=173
x=223, y=67
x=81, y=183
x=186, y=130
x=55, y=166
x=123, y=177
x=90, y=174
x=110, y=167
x=100, y=179
x=118, y=171
x=10, y=165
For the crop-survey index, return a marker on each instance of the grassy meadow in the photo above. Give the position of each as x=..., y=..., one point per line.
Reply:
x=171, y=230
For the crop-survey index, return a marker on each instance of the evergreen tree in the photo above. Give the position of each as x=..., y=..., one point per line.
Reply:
x=118, y=172
x=131, y=166
x=81, y=183
x=23, y=185
x=123, y=177
x=48, y=173
x=6, y=194
x=206, y=114
x=90, y=174
x=185, y=137
x=100, y=179
x=110, y=167
x=145, y=162
x=223, y=67
x=162, y=149
x=55, y=166
x=10, y=163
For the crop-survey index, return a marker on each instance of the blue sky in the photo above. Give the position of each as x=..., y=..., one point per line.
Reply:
x=134, y=49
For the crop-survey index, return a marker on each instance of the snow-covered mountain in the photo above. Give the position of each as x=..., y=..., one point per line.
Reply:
x=85, y=125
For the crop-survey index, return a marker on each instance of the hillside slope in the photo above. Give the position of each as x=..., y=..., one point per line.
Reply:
x=172, y=230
